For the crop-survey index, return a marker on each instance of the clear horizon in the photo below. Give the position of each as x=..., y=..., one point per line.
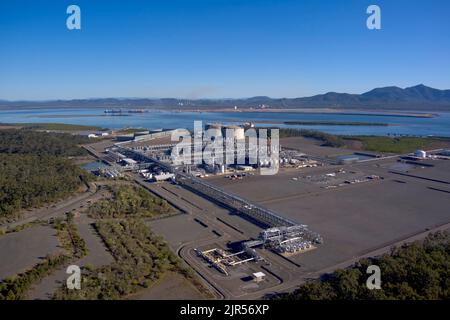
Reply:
x=219, y=49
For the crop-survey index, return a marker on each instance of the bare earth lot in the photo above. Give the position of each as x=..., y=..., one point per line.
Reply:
x=20, y=251
x=172, y=286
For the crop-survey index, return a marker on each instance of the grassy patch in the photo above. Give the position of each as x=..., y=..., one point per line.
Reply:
x=131, y=130
x=337, y=123
x=393, y=145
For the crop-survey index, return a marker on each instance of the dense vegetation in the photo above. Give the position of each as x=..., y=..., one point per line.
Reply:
x=141, y=258
x=41, y=143
x=31, y=181
x=419, y=270
x=52, y=126
x=15, y=288
x=130, y=201
x=328, y=140
x=34, y=169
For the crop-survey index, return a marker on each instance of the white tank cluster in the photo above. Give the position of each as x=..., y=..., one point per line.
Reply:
x=221, y=130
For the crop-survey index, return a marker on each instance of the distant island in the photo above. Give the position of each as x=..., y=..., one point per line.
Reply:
x=417, y=98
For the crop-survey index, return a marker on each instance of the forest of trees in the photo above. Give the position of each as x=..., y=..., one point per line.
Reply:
x=35, y=169
x=130, y=201
x=417, y=271
x=41, y=143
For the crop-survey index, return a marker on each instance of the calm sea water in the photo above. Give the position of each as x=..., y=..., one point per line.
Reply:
x=438, y=126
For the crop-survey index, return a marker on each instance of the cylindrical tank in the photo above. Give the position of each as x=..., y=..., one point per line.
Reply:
x=213, y=130
x=239, y=133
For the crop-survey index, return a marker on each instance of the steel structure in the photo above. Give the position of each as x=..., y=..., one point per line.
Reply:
x=279, y=227
x=253, y=211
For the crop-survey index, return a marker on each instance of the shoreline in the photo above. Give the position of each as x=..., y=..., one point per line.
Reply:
x=343, y=111
x=313, y=123
x=375, y=113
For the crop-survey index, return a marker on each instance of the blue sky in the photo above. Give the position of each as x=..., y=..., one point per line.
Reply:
x=219, y=48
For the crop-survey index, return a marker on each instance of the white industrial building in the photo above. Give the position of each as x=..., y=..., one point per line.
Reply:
x=163, y=176
x=226, y=131
x=259, y=276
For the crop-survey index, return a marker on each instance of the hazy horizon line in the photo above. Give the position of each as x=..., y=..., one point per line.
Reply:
x=205, y=98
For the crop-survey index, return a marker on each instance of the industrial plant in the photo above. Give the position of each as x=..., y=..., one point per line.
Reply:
x=246, y=232
x=149, y=156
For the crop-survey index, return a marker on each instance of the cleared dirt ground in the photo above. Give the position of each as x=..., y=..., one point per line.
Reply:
x=20, y=251
x=172, y=286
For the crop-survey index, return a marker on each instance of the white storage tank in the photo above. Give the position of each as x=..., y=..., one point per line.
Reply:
x=213, y=130
x=420, y=154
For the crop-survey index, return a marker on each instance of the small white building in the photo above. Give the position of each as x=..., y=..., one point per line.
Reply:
x=259, y=276
x=163, y=176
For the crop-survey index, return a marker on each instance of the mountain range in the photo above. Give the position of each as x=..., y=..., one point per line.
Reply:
x=419, y=97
